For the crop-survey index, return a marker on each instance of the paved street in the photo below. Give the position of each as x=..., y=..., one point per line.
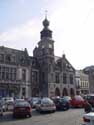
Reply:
x=71, y=117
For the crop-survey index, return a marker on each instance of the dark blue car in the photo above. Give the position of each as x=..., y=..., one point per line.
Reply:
x=61, y=104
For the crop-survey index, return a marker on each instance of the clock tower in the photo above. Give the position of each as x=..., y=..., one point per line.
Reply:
x=45, y=57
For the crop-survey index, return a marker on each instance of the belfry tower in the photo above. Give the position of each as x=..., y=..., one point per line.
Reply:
x=45, y=56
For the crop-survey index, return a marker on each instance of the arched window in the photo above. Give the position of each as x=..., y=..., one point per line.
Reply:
x=57, y=92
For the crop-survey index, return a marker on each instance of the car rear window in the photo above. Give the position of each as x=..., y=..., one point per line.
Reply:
x=21, y=103
x=79, y=98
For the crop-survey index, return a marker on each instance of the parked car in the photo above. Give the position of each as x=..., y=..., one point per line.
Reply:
x=61, y=103
x=68, y=98
x=88, y=119
x=77, y=102
x=90, y=99
x=4, y=105
x=1, y=109
x=22, y=108
x=33, y=101
x=9, y=100
x=45, y=105
x=19, y=99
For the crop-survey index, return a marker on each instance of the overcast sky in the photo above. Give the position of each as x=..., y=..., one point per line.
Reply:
x=72, y=23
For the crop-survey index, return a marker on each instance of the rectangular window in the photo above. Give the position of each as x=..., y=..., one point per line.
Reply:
x=71, y=79
x=23, y=91
x=43, y=76
x=24, y=74
x=7, y=76
x=1, y=57
x=57, y=78
x=0, y=76
x=64, y=78
x=8, y=58
x=3, y=75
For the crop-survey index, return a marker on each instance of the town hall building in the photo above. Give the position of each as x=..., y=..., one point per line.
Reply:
x=42, y=74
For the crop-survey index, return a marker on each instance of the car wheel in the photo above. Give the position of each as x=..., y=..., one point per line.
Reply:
x=40, y=111
x=30, y=115
x=67, y=107
x=53, y=111
x=1, y=114
x=14, y=116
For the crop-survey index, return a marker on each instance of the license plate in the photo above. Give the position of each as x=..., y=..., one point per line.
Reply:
x=22, y=108
x=46, y=105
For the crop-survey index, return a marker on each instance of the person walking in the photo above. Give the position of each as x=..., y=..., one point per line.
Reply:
x=87, y=107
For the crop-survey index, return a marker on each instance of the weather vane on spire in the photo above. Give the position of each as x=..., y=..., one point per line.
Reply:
x=46, y=14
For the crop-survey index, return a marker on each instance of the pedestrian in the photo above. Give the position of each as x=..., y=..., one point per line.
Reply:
x=87, y=107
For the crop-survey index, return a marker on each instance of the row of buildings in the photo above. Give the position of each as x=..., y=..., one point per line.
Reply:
x=42, y=74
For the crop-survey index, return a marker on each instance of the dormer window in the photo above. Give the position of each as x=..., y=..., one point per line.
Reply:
x=2, y=57
x=8, y=58
x=13, y=59
x=22, y=59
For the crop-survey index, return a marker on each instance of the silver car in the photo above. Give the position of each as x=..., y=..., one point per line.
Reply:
x=45, y=104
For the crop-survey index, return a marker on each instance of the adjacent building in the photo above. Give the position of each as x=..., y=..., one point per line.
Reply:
x=90, y=72
x=14, y=72
x=82, y=82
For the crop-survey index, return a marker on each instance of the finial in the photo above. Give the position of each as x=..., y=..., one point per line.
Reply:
x=63, y=53
x=46, y=14
x=45, y=22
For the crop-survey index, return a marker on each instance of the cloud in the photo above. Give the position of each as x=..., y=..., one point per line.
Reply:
x=16, y=33
x=22, y=36
x=73, y=30
x=72, y=23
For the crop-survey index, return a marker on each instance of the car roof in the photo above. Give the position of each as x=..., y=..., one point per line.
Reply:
x=90, y=95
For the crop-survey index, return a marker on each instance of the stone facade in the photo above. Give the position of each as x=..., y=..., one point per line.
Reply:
x=43, y=74
x=56, y=74
x=14, y=72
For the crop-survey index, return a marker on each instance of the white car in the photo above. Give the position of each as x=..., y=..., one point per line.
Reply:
x=3, y=104
x=1, y=109
x=88, y=118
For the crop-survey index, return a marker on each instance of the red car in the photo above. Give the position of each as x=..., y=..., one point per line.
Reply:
x=77, y=101
x=22, y=108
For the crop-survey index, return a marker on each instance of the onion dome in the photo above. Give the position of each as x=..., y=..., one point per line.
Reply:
x=45, y=23
x=46, y=32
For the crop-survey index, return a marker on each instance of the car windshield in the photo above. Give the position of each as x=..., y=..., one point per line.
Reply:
x=62, y=100
x=8, y=98
x=21, y=103
x=46, y=101
x=35, y=99
x=67, y=98
x=90, y=97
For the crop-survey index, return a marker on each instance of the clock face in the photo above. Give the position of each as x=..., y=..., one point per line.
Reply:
x=42, y=46
x=50, y=45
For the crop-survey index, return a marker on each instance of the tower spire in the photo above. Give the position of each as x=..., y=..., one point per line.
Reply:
x=46, y=14
x=46, y=32
x=46, y=22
